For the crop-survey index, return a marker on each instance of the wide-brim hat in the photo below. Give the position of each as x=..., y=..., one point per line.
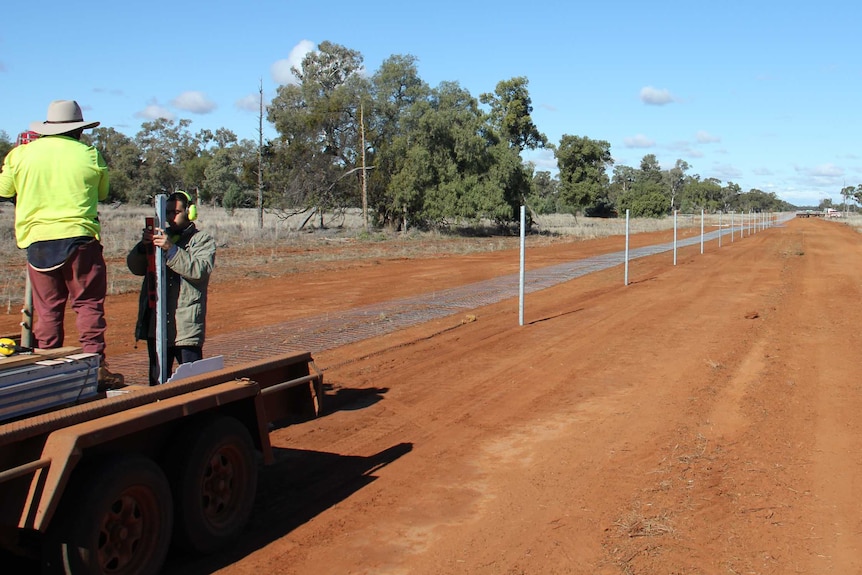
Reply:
x=63, y=116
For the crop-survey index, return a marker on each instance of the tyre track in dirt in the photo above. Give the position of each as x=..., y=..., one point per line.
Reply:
x=600, y=412
x=702, y=419
x=703, y=494
x=823, y=359
x=770, y=486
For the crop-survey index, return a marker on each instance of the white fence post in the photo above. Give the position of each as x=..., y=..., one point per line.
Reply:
x=627, y=248
x=521, y=282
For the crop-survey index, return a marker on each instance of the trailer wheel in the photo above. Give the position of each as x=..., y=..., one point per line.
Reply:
x=118, y=521
x=213, y=474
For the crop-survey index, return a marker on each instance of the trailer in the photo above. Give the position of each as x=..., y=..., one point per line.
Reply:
x=106, y=485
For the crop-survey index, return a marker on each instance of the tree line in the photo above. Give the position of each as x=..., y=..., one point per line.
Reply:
x=409, y=154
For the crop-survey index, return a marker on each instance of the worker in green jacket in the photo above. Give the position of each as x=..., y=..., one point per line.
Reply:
x=189, y=260
x=56, y=182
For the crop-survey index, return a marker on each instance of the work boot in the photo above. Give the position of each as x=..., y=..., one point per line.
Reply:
x=109, y=380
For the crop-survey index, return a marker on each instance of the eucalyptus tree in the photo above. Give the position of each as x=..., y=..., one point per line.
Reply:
x=583, y=165
x=650, y=169
x=649, y=194
x=166, y=147
x=292, y=177
x=193, y=175
x=195, y=169
x=511, y=114
x=395, y=88
x=675, y=180
x=510, y=117
x=318, y=124
x=124, y=161
x=825, y=203
x=624, y=178
x=759, y=201
x=507, y=185
x=224, y=176
x=701, y=194
x=646, y=199
x=447, y=158
x=847, y=193
x=544, y=192
x=6, y=144
x=730, y=197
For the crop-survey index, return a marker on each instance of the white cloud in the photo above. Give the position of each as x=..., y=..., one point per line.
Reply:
x=281, y=70
x=797, y=197
x=638, y=141
x=543, y=159
x=684, y=148
x=704, y=137
x=824, y=176
x=154, y=111
x=726, y=172
x=655, y=97
x=800, y=196
x=823, y=171
x=194, y=102
x=250, y=103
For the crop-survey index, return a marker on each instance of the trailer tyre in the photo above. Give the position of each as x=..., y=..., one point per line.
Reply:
x=213, y=474
x=117, y=521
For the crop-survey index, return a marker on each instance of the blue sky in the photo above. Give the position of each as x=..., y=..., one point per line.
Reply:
x=765, y=94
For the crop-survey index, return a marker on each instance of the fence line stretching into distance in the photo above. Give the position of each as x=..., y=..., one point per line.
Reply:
x=335, y=329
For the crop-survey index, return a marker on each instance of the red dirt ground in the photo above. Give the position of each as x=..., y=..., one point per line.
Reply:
x=702, y=419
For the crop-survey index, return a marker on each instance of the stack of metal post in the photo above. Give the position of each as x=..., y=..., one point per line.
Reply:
x=46, y=384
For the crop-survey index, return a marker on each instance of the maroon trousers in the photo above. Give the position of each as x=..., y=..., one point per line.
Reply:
x=82, y=281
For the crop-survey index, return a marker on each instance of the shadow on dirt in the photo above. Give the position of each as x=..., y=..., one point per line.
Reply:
x=555, y=316
x=643, y=280
x=298, y=486
x=15, y=564
x=293, y=490
x=333, y=401
x=351, y=398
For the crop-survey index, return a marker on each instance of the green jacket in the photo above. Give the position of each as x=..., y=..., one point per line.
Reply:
x=188, y=274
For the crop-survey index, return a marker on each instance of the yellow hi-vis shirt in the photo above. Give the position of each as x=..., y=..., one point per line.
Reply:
x=58, y=182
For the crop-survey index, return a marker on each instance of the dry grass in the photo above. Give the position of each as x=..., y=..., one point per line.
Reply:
x=853, y=220
x=636, y=524
x=280, y=247
x=714, y=364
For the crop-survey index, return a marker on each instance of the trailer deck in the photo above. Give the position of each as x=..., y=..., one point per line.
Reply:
x=152, y=426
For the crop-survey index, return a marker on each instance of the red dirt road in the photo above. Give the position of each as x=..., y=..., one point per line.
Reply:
x=703, y=419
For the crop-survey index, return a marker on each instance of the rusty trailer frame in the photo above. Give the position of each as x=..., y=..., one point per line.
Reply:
x=38, y=454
